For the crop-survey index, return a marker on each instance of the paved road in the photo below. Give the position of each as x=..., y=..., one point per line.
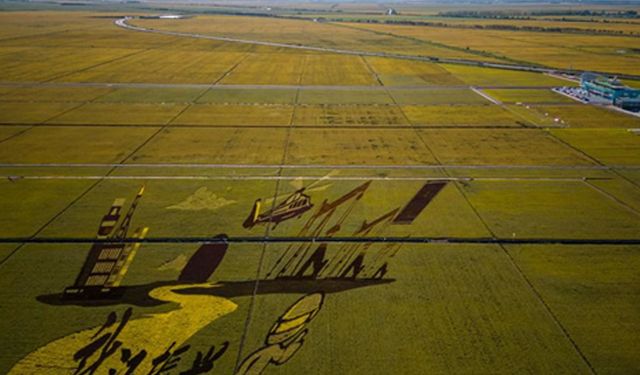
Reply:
x=123, y=23
x=314, y=166
x=258, y=87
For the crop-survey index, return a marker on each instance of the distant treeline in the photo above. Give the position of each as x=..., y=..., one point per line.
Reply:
x=496, y=14
x=573, y=30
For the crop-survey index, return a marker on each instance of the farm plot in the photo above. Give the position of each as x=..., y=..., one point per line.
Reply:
x=591, y=290
x=227, y=146
x=348, y=96
x=32, y=112
x=329, y=69
x=498, y=77
x=446, y=214
x=609, y=146
x=437, y=96
x=353, y=146
x=160, y=95
x=395, y=72
x=236, y=114
x=550, y=209
x=461, y=115
x=267, y=69
x=527, y=96
x=162, y=65
x=348, y=115
x=40, y=64
x=152, y=292
x=583, y=116
x=54, y=94
x=170, y=208
x=469, y=287
x=73, y=144
x=220, y=95
x=28, y=205
x=121, y=114
x=500, y=147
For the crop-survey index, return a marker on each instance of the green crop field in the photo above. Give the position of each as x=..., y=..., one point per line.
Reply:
x=317, y=188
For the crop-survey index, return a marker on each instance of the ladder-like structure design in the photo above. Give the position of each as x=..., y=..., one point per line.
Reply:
x=108, y=260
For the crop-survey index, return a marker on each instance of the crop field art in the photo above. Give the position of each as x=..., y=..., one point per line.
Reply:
x=254, y=187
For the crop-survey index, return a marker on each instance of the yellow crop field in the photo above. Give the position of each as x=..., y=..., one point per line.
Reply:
x=232, y=114
x=120, y=113
x=597, y=52
x=348, y=96
x=162, y=67
x=54, y=94
x=609, y=146
x=588, y=288
x=437, y=96
x=372, y=194
x=499, y=147
x=352, y=146
x=336, y=70
x=461, y=115
x=527, y=96
x=489, y=77
x=267, y=69
x=348, y=115
x=32, y=113
x=306, y=32
x=396, y=72
x=73, y=144
x=146, y=95
x=549, y=209
x=193, y=145
x=222, y=95
x=584, y=116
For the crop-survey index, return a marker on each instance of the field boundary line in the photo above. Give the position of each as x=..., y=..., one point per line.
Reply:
x=342, y=239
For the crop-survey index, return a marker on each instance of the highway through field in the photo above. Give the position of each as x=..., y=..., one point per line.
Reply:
x=528, y=68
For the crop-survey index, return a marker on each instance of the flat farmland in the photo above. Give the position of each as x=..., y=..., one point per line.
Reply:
x=591, y=290
x=500, y=147
x=461, y=115
x=348, y=115
x=349, y=146
x=527, y=96
x=90, y=144
x=609, y=146
x=313, y=211
x=235, y=114
x=582, y=116
x=238, y=145
x=120, y=113
x=550, y=209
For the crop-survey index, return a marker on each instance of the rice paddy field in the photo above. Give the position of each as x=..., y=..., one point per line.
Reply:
x=259, y=195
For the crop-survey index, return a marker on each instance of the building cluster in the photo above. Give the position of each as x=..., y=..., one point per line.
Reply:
x=611, y=89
